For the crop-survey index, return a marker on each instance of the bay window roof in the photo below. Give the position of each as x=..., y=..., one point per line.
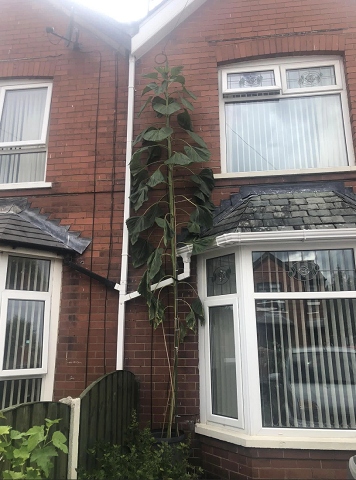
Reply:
x=293, y=207
x=21, y=225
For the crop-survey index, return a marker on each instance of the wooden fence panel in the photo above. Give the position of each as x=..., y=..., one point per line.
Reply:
x=105, y=412
x=22, y=417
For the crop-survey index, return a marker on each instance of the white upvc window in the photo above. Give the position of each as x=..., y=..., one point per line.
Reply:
x=24, y=118
x=29, y=305
x=289, y=114
x=278, y=348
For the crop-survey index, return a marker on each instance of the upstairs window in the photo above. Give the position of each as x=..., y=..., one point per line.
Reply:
x=285, y=115
x=24, y=116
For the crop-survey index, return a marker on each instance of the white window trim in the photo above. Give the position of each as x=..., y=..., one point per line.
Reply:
x=51, y=320
x=28, y=146
x=253, y=434
x=42, y=141
x=283, y=63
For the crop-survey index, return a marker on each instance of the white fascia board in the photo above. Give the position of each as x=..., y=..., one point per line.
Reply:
x=243, y=238
x=160, y=23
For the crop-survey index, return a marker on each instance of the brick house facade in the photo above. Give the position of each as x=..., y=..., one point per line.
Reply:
x=213, y=40
x=81, y=190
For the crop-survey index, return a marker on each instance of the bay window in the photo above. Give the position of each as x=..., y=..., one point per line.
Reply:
x=286, y=114
x=24, y=117
x=28, y=311
x=278, y=349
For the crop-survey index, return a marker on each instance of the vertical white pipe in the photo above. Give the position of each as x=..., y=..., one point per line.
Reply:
x=125, y=238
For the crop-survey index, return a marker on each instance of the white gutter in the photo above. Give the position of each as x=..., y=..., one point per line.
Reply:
x=186, y=254
x=324, y=234
x=125, y=236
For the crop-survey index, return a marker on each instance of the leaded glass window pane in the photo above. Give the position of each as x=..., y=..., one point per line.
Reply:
x=28, y=274
x=221, y=276
x=248, y=80
x=310, y=77
x=223, y=361
x=304, y=271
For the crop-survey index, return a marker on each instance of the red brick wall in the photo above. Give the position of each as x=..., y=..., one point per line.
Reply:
x=86, y=169
x=223, y=32
x=231, y=462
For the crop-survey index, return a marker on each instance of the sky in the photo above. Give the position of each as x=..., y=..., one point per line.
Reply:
x=122, y=10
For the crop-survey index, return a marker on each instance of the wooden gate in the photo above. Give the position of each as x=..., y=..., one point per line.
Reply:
x=105, y=412
x=23, y=417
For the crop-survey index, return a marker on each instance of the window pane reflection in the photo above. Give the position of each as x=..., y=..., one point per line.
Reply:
x=223, y=361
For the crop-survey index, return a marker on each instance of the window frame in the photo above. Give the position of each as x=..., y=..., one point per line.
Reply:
x=281, y=65
x=28, y=146
x=252, y=433
x=51, y=319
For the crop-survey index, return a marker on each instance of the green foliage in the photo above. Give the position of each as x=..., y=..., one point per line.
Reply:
x=167, y=151
x=141, y=458
x=30, y=454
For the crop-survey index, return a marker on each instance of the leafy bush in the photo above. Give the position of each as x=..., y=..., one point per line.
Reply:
x=30, y=454
x=141, y=458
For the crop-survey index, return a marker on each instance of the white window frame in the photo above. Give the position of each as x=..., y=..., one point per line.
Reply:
x=51, y=319
x=281, y=91
x=251, y=433
x=28, y=146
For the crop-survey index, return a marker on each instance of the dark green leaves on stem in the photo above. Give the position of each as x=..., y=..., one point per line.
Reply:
x=161, y=151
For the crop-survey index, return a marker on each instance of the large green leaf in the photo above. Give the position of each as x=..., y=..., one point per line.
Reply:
x=176, y=70
x=156, y=311
x=205, y=181
x=168, y=233
x=166, y=110
x=140, y=252
x=201, y=244
x=154, y=263
x=190, y=320
x=198, y=309
x=197, y=139
x=188, y=92
x=156, y=178
x=150, y=87
x=149, y=99
x=59, y=440
x=43, y=458
x=154, y=154
x=139, y=196
x=140, y=136
x=187, y=103
x=197, y=154
x=159, y=134
x=178, y=79
x=152, y=75
x=202, y=216
x=184, y=120
x=178, y=159
x=164, y=71
x=136, y=225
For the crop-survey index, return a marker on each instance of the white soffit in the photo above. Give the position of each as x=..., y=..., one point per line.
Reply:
x=162, y=22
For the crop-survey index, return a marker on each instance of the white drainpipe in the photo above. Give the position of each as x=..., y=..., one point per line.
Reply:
x=184, y=252
x=122, y=287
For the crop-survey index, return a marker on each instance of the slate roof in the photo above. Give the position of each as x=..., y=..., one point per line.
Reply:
x=21, y=225
x=296, y=208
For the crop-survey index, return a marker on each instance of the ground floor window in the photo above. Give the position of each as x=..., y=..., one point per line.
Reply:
x=26, y=324
x=279, y=344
